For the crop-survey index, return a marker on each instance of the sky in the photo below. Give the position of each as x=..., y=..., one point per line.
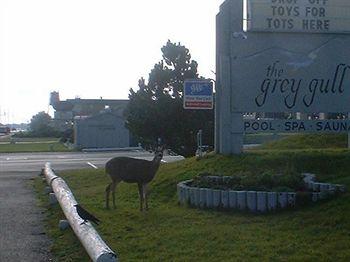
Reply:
x=92, y=48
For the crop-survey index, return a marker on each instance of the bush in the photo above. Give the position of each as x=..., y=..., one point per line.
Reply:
x=266, y=181
x=67, y=136
x=33, y=134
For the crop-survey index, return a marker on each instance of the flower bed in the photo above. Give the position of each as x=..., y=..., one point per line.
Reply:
x=221, y=197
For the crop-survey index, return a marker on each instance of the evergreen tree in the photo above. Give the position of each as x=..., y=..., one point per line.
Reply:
x=156, y=108
x=40, y=126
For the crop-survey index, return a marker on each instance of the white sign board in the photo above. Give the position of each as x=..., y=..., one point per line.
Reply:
x=296, y=126
x=198, y=94
x=309, y=16
x=277, y=80
x=293, y=57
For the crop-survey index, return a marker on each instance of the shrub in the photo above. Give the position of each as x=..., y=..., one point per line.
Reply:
x=266, y=181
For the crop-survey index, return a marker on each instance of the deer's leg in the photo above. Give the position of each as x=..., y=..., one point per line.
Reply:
x=145, y=195
x=114, y=186
x=108, y=189
x=140, y=186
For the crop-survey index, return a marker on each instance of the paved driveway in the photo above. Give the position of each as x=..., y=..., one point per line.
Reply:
x=22, y=236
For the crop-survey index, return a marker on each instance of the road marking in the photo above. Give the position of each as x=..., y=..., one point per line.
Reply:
x=92, y=165
x=16, y=159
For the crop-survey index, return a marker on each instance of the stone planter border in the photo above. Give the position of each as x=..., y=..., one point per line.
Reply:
x=253, y=201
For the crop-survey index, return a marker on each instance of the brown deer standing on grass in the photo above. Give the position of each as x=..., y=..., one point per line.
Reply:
x=132, y=170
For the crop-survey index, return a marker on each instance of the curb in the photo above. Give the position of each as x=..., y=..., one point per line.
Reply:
x=252, y=201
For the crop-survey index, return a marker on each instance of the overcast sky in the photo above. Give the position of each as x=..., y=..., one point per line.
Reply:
x=92, y=48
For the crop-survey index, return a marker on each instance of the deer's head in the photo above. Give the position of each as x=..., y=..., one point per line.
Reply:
x=158, y=154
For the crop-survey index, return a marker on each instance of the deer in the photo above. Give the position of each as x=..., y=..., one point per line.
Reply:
x=132, y=170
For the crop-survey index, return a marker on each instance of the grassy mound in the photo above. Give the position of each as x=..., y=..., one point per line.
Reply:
x=169, y=232
x=308, y=141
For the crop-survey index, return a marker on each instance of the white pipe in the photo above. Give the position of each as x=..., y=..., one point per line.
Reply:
x=88, y=236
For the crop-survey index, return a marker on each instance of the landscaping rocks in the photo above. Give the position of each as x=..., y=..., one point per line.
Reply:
x=261, y=202
x=291, y=199
x=282, y=199
x=202, y=197
x=241, y=200
x=225, y=199
x=253, y=201
x=232, y=199
x=271, y=201
x=216, y=198
x=209, y=203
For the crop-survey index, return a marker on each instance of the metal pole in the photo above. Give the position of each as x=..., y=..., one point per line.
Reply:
x=199, y=143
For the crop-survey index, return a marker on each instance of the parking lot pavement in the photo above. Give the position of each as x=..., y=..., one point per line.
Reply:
x=22, y=236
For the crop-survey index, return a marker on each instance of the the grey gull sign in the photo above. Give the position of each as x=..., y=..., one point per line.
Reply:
x=282, y=81
x=279, y=56
x=311, y=16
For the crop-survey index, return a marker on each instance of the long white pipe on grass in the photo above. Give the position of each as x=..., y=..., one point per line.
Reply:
x=96, y=248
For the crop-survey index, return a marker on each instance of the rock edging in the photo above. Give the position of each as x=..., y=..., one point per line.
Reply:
x=253, y=201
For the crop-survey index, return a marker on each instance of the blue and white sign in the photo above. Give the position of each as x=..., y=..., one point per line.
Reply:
x=198, y=94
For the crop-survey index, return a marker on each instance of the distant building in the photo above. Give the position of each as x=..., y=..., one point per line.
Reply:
x=105, y=130
x=97, y=123
x=67, y=110
x=4, y=130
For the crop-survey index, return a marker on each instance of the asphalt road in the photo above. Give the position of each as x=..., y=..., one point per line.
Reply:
x=34, y=162
x=22, y=236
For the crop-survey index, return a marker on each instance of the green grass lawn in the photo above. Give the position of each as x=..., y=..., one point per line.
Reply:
x=32, y=145
x=169, y=232
x=264, y=137
x=308, y=141
x=28, y=139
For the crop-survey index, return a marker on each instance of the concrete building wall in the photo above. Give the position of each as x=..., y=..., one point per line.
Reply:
x=105, y=130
